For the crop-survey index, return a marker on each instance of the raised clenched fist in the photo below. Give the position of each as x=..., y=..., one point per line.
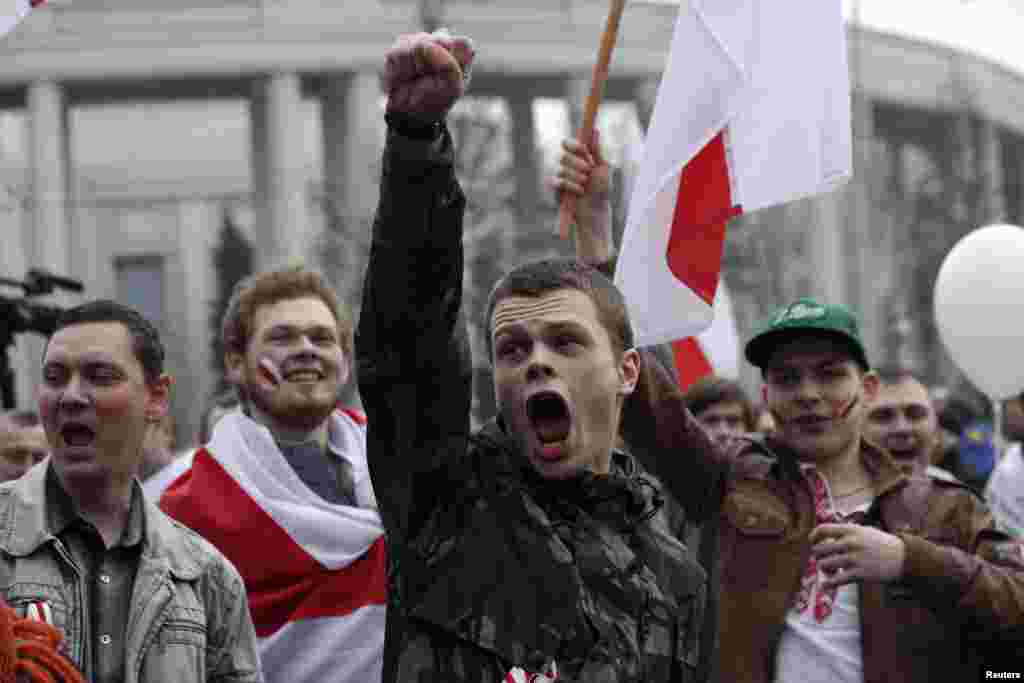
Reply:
x=425, y=73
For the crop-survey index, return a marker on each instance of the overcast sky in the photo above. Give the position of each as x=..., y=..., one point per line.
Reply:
x=991, y=28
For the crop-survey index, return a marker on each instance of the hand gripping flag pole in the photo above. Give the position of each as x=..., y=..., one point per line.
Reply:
x=567, y=209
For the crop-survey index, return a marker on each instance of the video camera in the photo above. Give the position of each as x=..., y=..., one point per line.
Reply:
x=21, y=314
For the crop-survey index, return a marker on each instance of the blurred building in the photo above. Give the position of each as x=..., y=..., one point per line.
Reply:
x=131, y=131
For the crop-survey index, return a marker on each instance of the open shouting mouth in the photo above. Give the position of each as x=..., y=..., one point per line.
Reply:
x=77, y=435
x=551, y=421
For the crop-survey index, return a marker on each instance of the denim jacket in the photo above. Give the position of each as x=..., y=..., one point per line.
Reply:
x=189, y=618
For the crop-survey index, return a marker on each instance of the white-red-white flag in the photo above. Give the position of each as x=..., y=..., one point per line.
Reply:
x=715, y=351
x=753, y=110
x=315, y=572
x=13, y=11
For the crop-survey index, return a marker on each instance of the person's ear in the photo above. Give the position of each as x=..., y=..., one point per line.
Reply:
x=629, y=371
x=871, y=384
x=234, y=366
x=159, y=400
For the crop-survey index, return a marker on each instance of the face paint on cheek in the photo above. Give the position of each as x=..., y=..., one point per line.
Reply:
x=268, y=371
x=842, y=409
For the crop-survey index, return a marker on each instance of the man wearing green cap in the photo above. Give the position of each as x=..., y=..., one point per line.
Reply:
x=836, y=564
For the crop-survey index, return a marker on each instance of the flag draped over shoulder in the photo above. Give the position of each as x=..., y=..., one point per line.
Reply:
x=13, y=11
x=753, y=110
x=315, y=572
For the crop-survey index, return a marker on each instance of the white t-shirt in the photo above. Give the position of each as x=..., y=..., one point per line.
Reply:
x=1005, y=491
x=823, y=652
x=821, y=640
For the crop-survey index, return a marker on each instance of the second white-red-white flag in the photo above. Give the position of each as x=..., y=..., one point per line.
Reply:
x=315, y=572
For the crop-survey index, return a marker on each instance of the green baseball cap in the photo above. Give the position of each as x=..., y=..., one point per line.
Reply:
x=806, y=317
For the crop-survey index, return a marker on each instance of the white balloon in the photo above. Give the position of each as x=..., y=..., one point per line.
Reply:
x=979, y=308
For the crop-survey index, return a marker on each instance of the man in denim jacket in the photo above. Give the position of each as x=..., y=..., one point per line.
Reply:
x=137, y=597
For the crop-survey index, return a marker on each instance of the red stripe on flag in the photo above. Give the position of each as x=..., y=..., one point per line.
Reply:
x=703, y=208
x=357, y=416
x=36, y=3
x=691, y=363
x=327, y=594
x=283, y=581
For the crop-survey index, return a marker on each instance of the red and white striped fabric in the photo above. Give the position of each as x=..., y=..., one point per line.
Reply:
x=315, y=572
x=520, y=675
x=13, y=11
x=753, y=110
x=715, y=351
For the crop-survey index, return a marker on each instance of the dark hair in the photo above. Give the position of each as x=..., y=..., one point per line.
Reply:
x=21, y=418
x=711, y=390
x=538, y=278
x=268, y=288
x=146, y=342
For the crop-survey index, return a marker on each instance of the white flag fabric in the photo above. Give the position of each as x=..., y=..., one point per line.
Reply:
x=315, y=572
x=1004, y=491
x=13, y=11
x=715, y=351
x=753, y=110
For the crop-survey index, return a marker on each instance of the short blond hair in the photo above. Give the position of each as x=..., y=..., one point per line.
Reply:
x=269, y=288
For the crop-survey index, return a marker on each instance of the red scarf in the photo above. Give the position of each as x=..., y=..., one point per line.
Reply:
x=825, y=513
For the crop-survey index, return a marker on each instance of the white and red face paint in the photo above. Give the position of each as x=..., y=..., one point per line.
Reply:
x=270, y=372
x=837, y=406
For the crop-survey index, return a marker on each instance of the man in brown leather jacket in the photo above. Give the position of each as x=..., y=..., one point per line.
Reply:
x=836, y=565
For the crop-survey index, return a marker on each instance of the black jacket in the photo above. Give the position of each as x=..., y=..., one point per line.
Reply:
x=491, y=566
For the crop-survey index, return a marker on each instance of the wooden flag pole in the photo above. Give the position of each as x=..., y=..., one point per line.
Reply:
x=567, y=209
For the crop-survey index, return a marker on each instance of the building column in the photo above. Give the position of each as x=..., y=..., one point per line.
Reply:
x=825, y=246
x=48, y=177
x=281, y=200
x=47, y=242
x=964, y=160
x=858, y=229
x=13, y=264
x=198, y=228
x=990, y=172
x=525, y=158
x=349, y=106
x=577, y=88
x=645, y=94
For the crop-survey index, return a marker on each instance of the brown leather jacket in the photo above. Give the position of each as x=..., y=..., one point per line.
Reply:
x=957, y=611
